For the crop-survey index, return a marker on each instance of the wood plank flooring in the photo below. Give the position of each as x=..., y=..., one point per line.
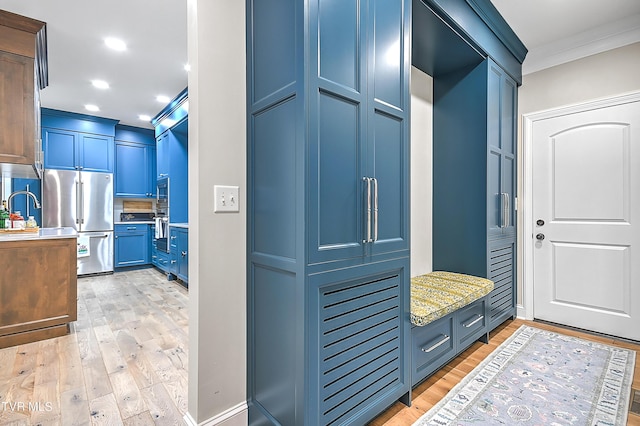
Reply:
x=124, y=363
x=429, y=392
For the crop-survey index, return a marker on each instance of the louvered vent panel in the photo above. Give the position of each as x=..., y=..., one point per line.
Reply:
x=501, y=273
x=360, y=329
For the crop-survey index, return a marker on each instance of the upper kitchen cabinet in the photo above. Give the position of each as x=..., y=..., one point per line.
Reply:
x=135, y=156
x=328, y=198
x=172, y=145
x=23, y=73
x=77, y=141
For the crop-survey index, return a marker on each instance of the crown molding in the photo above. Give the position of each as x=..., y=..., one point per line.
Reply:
x=600, y=39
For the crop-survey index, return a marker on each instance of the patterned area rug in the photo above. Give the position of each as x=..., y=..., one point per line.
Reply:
x=539, y=377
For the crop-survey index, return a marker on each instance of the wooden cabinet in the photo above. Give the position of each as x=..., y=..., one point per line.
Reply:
x=328, y=259
x=135, y=163
x=22, y=46
x=474, y=180
x=38, y=298
x=131, y=245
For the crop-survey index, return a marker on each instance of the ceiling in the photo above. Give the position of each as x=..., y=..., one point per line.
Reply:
x=153, y=64
x=554, y=31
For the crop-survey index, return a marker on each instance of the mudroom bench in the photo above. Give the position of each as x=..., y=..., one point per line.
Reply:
x=447, y=316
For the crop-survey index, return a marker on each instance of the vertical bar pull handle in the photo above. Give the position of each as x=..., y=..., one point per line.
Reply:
x=77, y=202
x=375, y=209
x=368, y=214
x=507, y=209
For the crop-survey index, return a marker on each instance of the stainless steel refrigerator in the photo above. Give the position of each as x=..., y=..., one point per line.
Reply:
x=83, y=201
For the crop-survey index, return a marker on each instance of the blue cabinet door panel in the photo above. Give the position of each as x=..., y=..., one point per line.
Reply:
x=131, y=174
x=183, y=255
x=60, y=149
x=340, y=43
x=388, y=60
x=131, y=245
x=273, y=210
x=96, y=153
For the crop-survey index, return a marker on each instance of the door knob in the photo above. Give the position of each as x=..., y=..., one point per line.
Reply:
x=539, y=222
x=540, y=237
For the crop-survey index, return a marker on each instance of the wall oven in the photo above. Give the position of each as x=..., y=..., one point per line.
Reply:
x=162, y=214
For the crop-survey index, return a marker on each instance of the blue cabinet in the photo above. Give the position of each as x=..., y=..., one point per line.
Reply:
x=179, y=253
x=77, y=142
x=131, y=245
x=68, y=150
x=328, y=210
x=135, y=168
x=474, y=180
x=172, y=162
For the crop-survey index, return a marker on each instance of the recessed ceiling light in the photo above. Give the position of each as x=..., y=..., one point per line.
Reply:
x=115, y=44
x=92, y=108
x=100, y=84
x=162, y=98
x=187, y=67
x=144, y=117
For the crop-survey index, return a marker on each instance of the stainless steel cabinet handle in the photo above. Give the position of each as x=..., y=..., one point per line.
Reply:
x=445, y=339
x=368, y=230
x=375, y=209
x=184, y=253
x=475, y=321
x=507, y=210
x=173, y=261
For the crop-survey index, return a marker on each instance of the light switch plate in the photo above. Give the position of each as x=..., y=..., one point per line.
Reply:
x=226, y=199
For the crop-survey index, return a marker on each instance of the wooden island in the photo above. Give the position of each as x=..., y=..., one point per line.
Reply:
x=38, y=285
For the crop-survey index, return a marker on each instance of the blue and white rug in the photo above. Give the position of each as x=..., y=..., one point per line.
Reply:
x=538, y=377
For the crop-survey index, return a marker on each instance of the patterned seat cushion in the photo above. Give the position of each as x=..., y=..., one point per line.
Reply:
x=439, y=293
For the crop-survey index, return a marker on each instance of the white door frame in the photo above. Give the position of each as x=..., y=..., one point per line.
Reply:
x=525, y=309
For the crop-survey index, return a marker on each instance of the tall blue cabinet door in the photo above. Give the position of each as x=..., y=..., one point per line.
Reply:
x=501, y=153
x=59, y=149
x=162, y=152
x=96, y=153
x=337, y=126
x=131, y=171
x=388, y=123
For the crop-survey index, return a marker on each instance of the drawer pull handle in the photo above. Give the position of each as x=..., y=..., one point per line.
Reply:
x=440, y=343
x=475, y=321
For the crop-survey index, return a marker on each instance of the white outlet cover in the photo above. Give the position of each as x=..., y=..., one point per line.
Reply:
x=225, y=199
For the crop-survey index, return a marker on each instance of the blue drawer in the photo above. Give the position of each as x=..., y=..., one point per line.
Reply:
x=432, y=346
x=471, y=323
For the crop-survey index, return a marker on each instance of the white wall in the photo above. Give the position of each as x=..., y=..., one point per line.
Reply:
x=421, y=172
x=598, y=76
x=217, y=268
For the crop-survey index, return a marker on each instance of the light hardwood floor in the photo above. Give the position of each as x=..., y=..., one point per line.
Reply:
x=429, y=392
x=125, y=361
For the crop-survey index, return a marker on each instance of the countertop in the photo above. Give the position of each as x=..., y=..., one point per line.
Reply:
x=179, y=225
x=135, y=222
x=42, y=234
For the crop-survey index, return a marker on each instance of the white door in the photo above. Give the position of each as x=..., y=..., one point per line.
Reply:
x=586, y=213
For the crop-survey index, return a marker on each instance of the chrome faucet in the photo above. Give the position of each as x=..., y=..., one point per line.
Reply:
x=36, y=203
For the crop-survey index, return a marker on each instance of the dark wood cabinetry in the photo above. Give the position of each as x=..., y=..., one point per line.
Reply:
x=22, y=74
x=38, y=289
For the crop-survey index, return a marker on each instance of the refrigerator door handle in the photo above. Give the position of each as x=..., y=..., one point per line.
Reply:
x=77, y=202
x=82, y=202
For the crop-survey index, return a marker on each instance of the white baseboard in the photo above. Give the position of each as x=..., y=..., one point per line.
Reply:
x=234, y=416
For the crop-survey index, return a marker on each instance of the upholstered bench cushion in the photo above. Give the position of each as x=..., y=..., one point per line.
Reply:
x=439, y=293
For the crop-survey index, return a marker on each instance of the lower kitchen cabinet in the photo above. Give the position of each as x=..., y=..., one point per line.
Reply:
x=179, y=253
x=131, y=245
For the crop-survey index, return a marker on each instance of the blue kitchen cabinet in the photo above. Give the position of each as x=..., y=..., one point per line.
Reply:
x=135, y=158
x=162, y=153
x=474, y=180
x=172, y=162
x=182, y=255
x=173, y=250
x=131, y=245
x=328, y=319
x=77, y=142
